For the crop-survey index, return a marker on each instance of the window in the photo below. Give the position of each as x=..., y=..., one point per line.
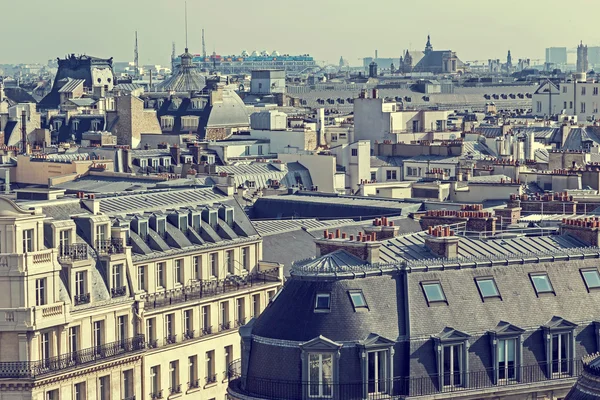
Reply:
x=433, y=292
x=541, y=283
x=98, y=335
x=224, y=315
x=142, y=277
x=260, y=150
x=166, y=122
x=122, y=328
x=160, y=275
x=150, y=330
x=188, y=324
x=452, y=365
x=377, y=365
x=564, y=89
x=73, y=339
x=271, y=295
x=240, y=311
x=358, y=299
x=391, y=175
x=80, y=281
x=117, y=276
x=174, y=376
x=206, y=326
x=595, y=91
x=320, y=375
x=413, y=171
x=570, y=105
x=583, y=90
x=561, y=353
x=539, y=106
x=255, y=305
x=229, y=262
x=247, y=151
x=591, y=278
x=64, y=239
x=334, y=137
x=100, y=233
x=487, y=287
x=40, y=292
x=52, y=394
x=28, y=240
x=178, y=273
x=79, y=392
x=197, y=267
x=565, y=105
x=507, y=354
x=210, y=367
x=104, y=388
x=354, y=152
x=128, y=384
x=193, y=371
x=228, y=357
x=155, y=380
x=322, y=302
x=213, y=257
x=583, y=107
x=169, y=322
x=45, y=346
x=246, y=258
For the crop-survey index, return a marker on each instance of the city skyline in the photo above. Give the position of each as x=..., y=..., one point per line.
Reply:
x=319, y=27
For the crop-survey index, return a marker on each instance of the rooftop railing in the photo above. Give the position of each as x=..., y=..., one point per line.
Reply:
x=34, y=369
x=73, y=252
x=403, y=387
x=110, y=246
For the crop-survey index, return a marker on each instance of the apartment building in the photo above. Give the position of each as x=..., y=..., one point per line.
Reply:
x=126, y=296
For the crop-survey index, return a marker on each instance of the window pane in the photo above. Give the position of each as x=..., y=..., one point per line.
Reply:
x=592, y=278
x=447, y=365
x=541, y=283
x=313, y=374
x=488, y=287
x=456, y=364
x=327, y=374
x=434, y=292
x=358, y=299
x=555, y=352
x=322, y=302
x=501, y=350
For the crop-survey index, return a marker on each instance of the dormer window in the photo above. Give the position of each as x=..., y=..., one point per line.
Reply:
x=95, y=125
x=183, y=225
x=167, y=122
x=143, y=229
x=322, y=302
x=100, y=233
x=75, y=124
x=194, y=221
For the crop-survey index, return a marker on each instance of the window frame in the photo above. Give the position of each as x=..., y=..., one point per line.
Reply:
x=582, y=271
x=321, y=383
x=430, y=302
x=537, y=292
x=364, y=306
x=483, y=296
x=318, y=309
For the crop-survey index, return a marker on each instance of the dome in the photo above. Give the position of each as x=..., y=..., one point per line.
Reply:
x=254, y=53
x=275, y=53
x=187, y=78
x=230, y=112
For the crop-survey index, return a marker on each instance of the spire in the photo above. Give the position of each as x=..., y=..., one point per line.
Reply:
x=186, y=29
x=428, y=46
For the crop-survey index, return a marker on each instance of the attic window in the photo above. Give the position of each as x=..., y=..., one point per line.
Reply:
x=487, y=288
x=433, y=292
x=591, y=277
x=322, y=302
x=358, y=299
x=541, y=283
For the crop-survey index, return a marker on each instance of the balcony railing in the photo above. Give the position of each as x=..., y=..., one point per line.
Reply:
x=225, y=326
x=207, y=330
x=156, y=395
x=110, y=246
x=118, y=292
x=194, y=384
x=175, y=389
x=34, y=369
x=208, y=288
x=170, y=339
x=240, y=322
x=83, y=298
x=188, y=334
x=404, y=387
x=74, y=252
x=210, y=379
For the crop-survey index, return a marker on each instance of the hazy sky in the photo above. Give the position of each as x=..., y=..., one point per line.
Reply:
x=38, y=30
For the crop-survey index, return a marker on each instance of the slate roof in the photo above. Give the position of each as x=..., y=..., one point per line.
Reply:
x=70, y=85
x=578, y=136
x=18, y=95
x=263, y=173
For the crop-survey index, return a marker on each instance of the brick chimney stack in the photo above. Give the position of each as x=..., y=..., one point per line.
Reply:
x=365, y=246
x=585, y=229
x=475, y=219
x=175, y=154
x=442, y=242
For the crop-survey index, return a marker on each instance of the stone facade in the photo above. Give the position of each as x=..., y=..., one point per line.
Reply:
x=508, y=215
x=130, y=120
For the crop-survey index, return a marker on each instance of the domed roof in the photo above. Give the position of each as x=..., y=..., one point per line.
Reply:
x=230, y=112
x=187, y=78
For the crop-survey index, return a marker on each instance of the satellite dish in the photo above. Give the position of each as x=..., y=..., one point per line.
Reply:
x=452, y=136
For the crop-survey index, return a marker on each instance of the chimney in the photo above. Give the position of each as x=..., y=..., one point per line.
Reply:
x=383, y=229
x=584, y=229
x=442, y=242
x=91, y=203
x=175, y=154
x=364, y=247
x=24, y=148
x=195, y=150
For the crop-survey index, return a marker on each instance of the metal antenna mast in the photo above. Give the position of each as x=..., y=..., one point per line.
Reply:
x=186, y=29
x=136, y=58
x=203, y=45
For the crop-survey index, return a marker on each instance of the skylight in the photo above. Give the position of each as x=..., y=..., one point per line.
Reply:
x=358, y=299
x=322, y=302
x=541, y=283
x=487, y=287
x=591, y=278
x=433, y=292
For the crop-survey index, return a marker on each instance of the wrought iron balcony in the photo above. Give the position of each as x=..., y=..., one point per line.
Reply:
x=188, y=334
x=195, y=384
x=225, y=326
x=129, y=398
x=170, y=339
x=34, y=369
x=83, y=298
x=207, y=330
x=175, y=389
x=157, y=395
x=210, y=379
x=110, y=246
x=118, y=292
x=240, y=322
x=73, y=252
x=152, y=343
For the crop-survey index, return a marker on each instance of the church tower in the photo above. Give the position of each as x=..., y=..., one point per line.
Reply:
x=509, y=62
x=428, y=46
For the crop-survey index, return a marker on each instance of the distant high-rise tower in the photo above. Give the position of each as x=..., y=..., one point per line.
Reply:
x=582, y=58
x=428, y=46
x=136, y=58
x=203, y=46
x=509, y=62
x=373, y=70
x=173, y=56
